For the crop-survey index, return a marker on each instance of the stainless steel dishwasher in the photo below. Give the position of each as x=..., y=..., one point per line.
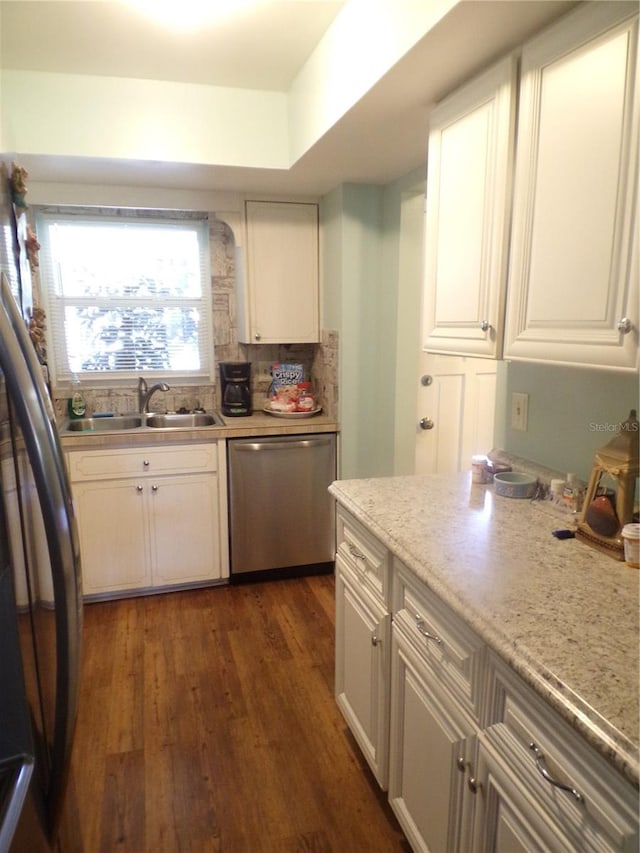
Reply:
x=281, y=516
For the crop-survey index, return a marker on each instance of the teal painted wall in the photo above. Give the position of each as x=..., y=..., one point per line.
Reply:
x=571, y=412
x=359, y=300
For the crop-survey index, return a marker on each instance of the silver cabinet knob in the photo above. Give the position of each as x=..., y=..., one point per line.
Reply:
x=426, y=423
x=146, y=463
x=374, y=640
x=473, y=784
x=257, y=336
x=625, y=325
x=154, y=488
x=138, y=488
x=485, y=325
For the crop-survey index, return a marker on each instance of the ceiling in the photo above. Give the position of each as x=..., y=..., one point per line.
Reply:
x=379, y=139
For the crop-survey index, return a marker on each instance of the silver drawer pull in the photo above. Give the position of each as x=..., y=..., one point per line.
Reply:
x=545, y=773
x=421, y=627
x=357, y=554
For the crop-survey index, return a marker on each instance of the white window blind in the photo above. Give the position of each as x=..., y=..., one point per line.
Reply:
x=126, y=295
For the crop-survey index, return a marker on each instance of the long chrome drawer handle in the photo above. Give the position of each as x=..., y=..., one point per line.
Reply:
x=420, y=626
x=545, y=773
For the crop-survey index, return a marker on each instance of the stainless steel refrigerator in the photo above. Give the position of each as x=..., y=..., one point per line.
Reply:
x=40, y=596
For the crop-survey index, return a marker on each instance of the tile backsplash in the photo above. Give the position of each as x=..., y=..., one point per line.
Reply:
x=320, y=360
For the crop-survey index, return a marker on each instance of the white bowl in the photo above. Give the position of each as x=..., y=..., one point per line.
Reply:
x=512, y=484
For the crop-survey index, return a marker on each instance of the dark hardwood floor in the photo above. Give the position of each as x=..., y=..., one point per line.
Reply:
x=207, y=723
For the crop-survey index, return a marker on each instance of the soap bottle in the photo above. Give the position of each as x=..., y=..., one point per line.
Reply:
x=75, y=404
x=572, y=495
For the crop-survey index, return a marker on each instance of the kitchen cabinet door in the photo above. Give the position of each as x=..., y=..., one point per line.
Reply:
x=112, y=526
x=184, y=529
x=279, y=296
x=573, y=279
x=431, y=756
x=165, y=526
x=470, y=162
x=362, y=667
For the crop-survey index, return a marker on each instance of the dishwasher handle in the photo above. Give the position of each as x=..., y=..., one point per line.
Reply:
x=253, y=446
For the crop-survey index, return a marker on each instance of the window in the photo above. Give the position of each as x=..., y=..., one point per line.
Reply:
x=126, y=295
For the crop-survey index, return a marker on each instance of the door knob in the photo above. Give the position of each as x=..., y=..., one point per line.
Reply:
x=426, y=423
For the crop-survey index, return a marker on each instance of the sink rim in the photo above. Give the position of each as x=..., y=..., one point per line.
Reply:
x=117, y=422
x=171, y=420
x=144, y=422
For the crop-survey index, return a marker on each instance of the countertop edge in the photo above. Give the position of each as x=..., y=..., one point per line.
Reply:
x=612, y=744
x=254, y=425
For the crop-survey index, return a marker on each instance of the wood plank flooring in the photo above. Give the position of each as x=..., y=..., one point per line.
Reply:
x=207, y=723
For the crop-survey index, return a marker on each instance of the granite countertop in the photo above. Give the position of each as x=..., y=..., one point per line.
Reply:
x=258, y=424
x=562, y=614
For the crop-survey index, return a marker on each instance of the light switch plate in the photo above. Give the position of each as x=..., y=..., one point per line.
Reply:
x=519, y=411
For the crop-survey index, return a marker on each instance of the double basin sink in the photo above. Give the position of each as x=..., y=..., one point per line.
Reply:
x=141, y=421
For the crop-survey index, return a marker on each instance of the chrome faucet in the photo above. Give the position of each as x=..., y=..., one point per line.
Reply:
x=142, y=390
x=145, y=394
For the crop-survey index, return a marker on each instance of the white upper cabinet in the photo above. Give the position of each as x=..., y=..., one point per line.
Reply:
x=467, y=216
x=573, y=279
x=279, y=297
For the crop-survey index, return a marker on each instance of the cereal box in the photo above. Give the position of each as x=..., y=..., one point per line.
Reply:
x=286, y=374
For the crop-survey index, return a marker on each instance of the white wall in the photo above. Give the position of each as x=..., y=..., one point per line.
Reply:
x=364, y=42
x=115, y=118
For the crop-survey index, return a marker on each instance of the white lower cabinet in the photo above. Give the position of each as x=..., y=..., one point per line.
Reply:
x=363, y=633
x=362, y=665
x=432, y=753
x=112, y=526
x=541, y=786
x=476, y=760
x=436, y=669
x=149, y=518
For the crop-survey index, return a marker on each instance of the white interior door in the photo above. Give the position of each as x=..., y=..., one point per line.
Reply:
x=455, y=411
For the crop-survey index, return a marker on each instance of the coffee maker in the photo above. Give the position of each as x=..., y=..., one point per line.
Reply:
x=235, y=388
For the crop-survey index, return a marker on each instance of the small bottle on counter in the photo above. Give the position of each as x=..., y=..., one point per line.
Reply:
x=306, y=402
x=572, y=494
x=556, y=491
x=76, y=405
x=479, y=468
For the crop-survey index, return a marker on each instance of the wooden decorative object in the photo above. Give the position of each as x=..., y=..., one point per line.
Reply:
x=611, y=493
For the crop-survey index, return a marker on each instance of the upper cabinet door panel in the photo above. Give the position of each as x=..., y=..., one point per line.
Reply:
x=282, y=273
x=572, y=282
x=468, y=196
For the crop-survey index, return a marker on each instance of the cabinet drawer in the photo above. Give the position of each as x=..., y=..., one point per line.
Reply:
x=596, y=809
x=136, y=462
x=362, y=552
x=453, y=652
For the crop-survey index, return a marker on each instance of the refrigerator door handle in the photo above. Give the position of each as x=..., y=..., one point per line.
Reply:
x=34, y=413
